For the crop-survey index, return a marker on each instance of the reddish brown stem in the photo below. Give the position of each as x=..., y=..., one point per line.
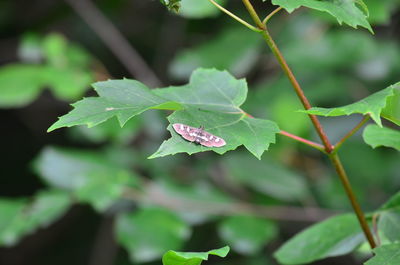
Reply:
x=350, y=133
x=304, y=141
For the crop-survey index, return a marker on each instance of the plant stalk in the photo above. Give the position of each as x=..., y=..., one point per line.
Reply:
x=328, y=147
x=350, y=194
x=299, y=91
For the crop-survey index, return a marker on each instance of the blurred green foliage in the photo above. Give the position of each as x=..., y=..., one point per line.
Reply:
x=203, y=201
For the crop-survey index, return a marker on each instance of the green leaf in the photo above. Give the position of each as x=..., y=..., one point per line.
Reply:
x=121, y=98
x=376, y=136
x=21, y=218
x=211, y=99
x=20, y=84
x=245, y=234
x=235, y=49
x=266, y=177
x=351, y=12
x=335, y=236
x=192, y=258
x=386, y=255
x=389, y=224
x=391, y=111
x=372, y=105
x=148, y=233
x=91, y=177
x=235, y=129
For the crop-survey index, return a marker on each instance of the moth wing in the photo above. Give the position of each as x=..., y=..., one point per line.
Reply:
x=212, y=140
x=184, y=131
x=218, y=141
x=207, y=143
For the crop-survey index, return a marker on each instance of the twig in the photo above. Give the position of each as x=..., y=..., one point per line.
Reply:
x=115, y=41
x=229, y=13
x=153, y=194
x=350, y=194
x=267, y=18
x=350, y=133
x=304, y=141
x=328, y=147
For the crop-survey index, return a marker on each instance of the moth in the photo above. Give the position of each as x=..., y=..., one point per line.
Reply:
x=198, y=135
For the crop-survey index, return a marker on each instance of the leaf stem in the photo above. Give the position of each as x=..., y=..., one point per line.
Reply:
x=304, y=141
x=267, y=18
x=349, y=191
x=327, y=145
x=350, y=133
x=229, y=13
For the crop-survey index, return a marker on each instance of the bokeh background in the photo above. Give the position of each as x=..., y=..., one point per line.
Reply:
x=91, y=196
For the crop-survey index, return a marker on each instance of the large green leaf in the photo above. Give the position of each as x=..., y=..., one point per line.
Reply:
x=351, y=12
x=247, y=234
x=211, y=99
x=20, y=218
x=386, y=255
x=192, y=258
x=88, y=175
x=121, y=98
x=266, y=177
x=335, y=236
x=381, y=136
x=148, y=233
x=235, y=49
x=372, y=105
x=235, y=129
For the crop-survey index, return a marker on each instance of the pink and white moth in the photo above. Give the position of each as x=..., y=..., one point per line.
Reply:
x=198, y=135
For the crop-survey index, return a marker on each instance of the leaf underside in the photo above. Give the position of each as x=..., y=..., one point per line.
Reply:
x=386, y=255
x=211, y=99
x=335, y=236
x=192, y=258
x=351, y=12
x=373, y=105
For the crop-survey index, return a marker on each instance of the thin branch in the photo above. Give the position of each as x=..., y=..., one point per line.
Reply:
x=154, y=194
x=351, y=132
x=328, y=147
x=350, y=194
x=234, y=16
x=304, y=141
x=115, y=41
x=299, y=91
x=267, y=18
